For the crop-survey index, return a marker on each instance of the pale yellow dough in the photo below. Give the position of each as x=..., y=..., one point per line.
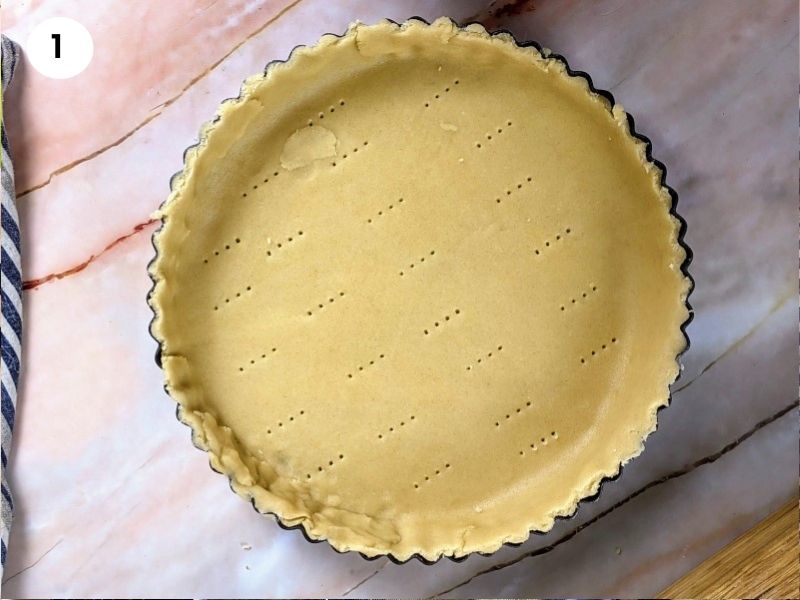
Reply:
x=419, y=290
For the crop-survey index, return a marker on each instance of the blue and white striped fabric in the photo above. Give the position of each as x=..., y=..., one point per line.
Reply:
x=11, y=296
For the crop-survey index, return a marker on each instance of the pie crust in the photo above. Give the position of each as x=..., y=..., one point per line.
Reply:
x=419, y=290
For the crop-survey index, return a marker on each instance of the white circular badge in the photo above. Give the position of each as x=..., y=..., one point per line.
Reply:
x=59, y=48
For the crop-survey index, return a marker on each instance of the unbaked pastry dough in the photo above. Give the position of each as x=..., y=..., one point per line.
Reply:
x=419, y=290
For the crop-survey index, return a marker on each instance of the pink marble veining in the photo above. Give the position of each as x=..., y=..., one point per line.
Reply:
x=145, y=56
x=111, y=498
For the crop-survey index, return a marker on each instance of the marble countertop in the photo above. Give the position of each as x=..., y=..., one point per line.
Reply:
x=111, y=498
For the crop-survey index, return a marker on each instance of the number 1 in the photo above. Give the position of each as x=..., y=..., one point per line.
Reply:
x=57, y=38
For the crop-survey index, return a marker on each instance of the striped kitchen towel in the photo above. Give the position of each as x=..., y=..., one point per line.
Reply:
x=11, y=296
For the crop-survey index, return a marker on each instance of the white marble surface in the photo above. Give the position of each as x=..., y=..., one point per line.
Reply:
x=112, y=500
